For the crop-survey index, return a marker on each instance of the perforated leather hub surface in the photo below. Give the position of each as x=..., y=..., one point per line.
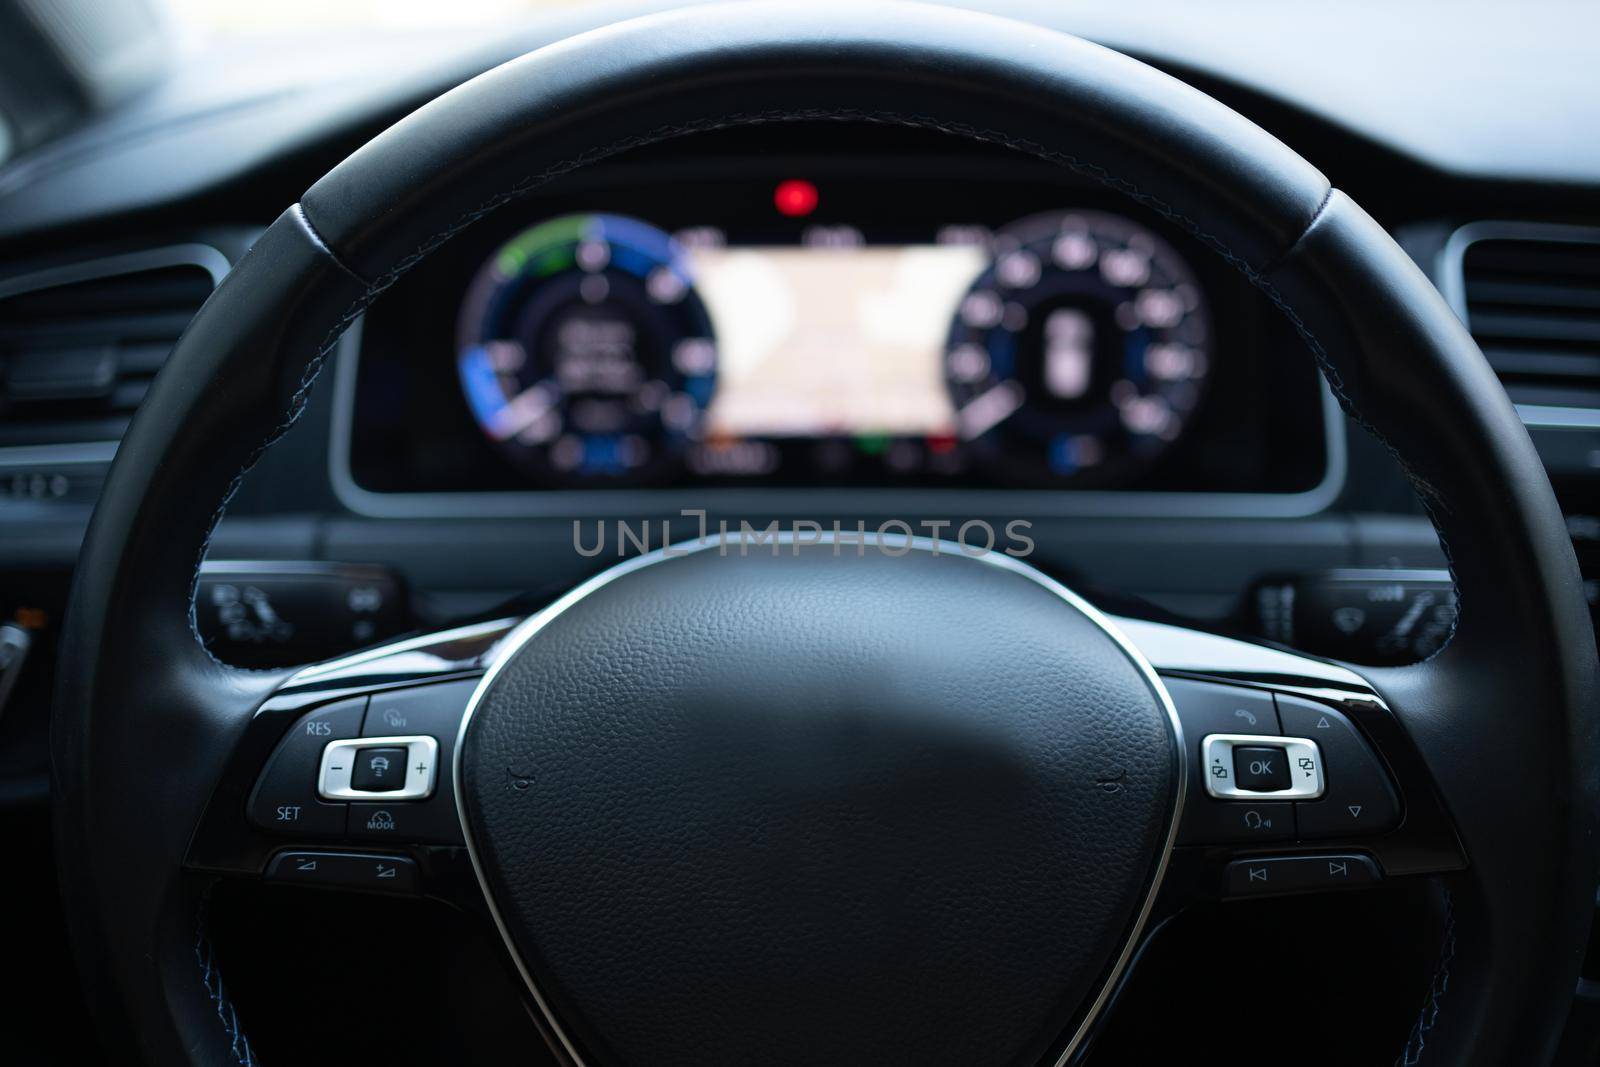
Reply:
x=819, y=809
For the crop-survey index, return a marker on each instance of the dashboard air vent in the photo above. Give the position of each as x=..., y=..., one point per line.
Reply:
x=1531, y=297
x=79, y=345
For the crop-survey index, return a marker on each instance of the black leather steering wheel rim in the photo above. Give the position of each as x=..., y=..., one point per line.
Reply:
x=145, y=717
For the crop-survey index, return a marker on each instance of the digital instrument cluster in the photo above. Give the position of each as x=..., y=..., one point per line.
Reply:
x=879, y=323
x=600, y=349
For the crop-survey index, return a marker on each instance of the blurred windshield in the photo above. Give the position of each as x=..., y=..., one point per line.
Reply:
x=207, y=17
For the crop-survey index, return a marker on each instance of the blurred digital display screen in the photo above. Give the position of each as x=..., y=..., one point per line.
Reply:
x=817, y=342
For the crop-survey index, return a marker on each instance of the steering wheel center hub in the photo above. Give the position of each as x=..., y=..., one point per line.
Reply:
x=804, y=805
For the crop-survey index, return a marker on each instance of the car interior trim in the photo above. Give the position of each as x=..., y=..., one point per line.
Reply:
x=69, y=454
x=1550, y=417
x=189, y=254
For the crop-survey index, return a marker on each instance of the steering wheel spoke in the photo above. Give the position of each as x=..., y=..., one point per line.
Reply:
x=343, y=778
x=1302, y=778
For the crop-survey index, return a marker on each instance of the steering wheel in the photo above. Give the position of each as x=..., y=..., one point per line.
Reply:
x=811, y=802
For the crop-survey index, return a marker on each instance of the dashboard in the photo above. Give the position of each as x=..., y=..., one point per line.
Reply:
x=827, y=322
x=717, y=321
x=813, y=321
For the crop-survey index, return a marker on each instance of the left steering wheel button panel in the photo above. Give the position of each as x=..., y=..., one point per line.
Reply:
x=285, y=798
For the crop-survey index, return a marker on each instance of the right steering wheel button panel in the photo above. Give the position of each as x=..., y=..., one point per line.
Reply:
x=1245, y=741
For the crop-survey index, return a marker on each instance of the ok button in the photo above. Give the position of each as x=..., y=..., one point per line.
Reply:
x=1260, y=769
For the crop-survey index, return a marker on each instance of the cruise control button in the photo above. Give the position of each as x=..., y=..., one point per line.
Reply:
x=1290, y=874
x=1358, y=797
x=1228, y=822
x=379, y=769
x=345, y=870
x=285, y=797
x=1260, y=769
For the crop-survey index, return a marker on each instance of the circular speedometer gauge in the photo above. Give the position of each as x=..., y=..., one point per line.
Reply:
x=584, y=352
x=1080, y=352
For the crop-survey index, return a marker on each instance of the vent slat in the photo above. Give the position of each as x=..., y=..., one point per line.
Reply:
x=1579, y=259
x=163, y=323
x=1533, y=303
x=151, y=290
x=132, y=318
x=1522, y=293
x=1512, y=363
x=1534, y=326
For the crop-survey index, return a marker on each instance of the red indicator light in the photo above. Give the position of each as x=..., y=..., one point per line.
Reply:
x=795, y=198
